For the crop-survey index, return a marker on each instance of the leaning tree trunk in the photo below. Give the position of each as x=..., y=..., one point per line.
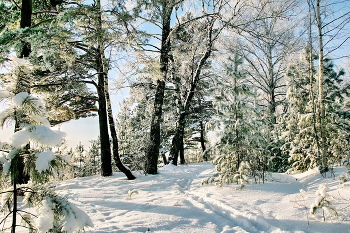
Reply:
x=116, y=156
x=107, y=108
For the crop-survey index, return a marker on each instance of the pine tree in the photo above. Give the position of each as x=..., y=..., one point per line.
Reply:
x=40, y=162
x=133, y=122
x=303, y=134
x=240, y=135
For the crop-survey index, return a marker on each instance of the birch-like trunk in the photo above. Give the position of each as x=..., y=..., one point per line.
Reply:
x=321, y=108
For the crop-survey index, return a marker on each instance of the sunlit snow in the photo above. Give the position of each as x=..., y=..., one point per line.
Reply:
x=43, y=160
x=175, y=201
x=19, y=98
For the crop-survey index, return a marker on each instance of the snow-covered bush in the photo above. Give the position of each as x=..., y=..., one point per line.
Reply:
x=344, y=177
x=242, y=176
x=239, y=176
x=30, y=151
x=309, y=140
x=323, y=203
x=54, y=212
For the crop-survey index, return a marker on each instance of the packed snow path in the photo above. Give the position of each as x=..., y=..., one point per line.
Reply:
x=175, y=201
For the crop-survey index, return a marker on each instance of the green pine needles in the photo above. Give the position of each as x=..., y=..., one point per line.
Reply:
x=29, y=155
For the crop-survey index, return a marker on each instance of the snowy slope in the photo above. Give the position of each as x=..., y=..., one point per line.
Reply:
x=175, y=201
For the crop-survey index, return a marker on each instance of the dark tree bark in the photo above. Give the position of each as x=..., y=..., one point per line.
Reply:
x=116, y=156
x=106, y=156
x=180, y=129
x=152, y=151
x=22, y=85
x=178, y=138
x=26, y=21
x=17, y=164
x=202, y=140
x=106, y=111
x=182, y=150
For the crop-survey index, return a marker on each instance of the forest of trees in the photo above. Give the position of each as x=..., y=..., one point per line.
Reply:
x=258, y=84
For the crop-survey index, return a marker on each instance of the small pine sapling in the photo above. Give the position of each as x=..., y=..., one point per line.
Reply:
x=32, y=142
x=322, y=202
x=242, y=177
x=343, y=178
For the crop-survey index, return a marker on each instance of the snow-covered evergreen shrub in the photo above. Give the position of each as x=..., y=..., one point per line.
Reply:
x=31, y=146
x=323, y=203
x=301, y=129
x=242, y=176
x=228, y=174
x=240, y=131
x=344, y=177
x=55, y=213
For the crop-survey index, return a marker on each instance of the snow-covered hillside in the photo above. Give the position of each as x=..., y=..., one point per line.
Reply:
x=175, y=201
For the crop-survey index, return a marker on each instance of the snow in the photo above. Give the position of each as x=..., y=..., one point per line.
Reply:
x=43, y=160
x=41, y=120
x=5, y=94
x=175, y=201
x=20, y=138
x=38, y=133
x=76, y=220
x=4, y=162
x=45, y=135
x=46, y=217
x=20, y=98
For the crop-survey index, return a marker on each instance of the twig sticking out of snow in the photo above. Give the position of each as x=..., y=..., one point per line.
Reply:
x=130, y=193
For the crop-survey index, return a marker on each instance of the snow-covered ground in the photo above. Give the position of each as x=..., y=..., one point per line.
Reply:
x=175, y=201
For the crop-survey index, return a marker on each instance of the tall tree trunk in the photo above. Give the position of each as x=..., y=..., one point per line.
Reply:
x=152, y=151
x=22, y=85
x=321, y=108
x=272, y=88
x=180, y=129
x=116, y=156
x=20, y=176
x=202, y=140
x=26, y=21
x=182, y=150
x=107, y=107
x=106, y=155
x=311, y=79
x=178, y=138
